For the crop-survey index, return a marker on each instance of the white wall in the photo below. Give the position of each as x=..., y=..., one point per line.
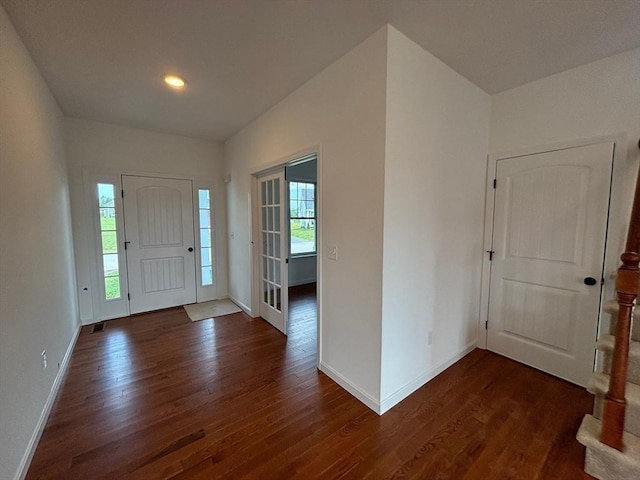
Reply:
x=112, y=148
x=38, y=307
x=591, y=101
x=303, y=270
x=437, y=136
x=342, y=110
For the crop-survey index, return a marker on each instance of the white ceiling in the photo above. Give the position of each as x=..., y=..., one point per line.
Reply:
x=104, y=59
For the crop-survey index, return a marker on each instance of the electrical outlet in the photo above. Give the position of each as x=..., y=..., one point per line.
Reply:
x=430, y=337
x=332, y=252
x=44, y=359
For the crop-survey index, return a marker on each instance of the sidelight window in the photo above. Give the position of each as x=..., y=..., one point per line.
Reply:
x=206, y=233
x=109, y=241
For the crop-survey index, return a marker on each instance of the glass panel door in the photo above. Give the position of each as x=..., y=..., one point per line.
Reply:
x=273, y=298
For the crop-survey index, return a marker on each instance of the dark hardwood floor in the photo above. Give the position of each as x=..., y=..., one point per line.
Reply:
x=158, y=396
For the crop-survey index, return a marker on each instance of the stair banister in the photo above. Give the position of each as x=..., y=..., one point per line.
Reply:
x=627, y=290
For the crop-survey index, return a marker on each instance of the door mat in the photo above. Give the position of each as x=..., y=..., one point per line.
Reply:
x=215, y=308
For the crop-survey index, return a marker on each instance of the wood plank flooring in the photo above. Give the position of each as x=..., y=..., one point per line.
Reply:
x=158, y=396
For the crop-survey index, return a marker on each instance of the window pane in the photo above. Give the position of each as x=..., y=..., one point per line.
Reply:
x=303, y=236
x=293, y=190
x=265, y=267
x=263, y=186
x=276, y=245
x=205, y=219
x=106, y=195
x=110, y=264
x=205, y=254
x=276, y=219
x=270, y=192
x=265, y=292
x=109, y=242
x=277, y=272
x=107, y=219
x=205, y=238
x=207, y=275
x=203, y=199
x=112, y=288
x=276, y=191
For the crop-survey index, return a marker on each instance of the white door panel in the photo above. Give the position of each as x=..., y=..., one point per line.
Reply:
x=273, y=261
x=549, y=235
x=159, y=233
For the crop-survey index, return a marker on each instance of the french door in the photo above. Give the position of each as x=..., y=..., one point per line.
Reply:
x=550, y=221
x=273, y=250
x=160, y=249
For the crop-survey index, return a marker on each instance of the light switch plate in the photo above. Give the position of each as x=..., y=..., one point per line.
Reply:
x=332, y=252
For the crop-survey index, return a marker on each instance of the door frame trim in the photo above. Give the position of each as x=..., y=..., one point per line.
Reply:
x=613, y=234
x=254, y=229
x=88, y=172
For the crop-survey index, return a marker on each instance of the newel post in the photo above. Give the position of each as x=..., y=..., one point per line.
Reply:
x=627, y=290
x=627, y=286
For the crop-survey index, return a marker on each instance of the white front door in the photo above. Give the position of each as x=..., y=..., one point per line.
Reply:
x=273, y=254
x=549, y=233
x=159, y=242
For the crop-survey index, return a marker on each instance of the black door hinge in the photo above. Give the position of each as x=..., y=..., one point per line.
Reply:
x=486, y=325
x=122, y=192
x=490, y=252
x=286, y=261
x=495, y=181
x=128, y=296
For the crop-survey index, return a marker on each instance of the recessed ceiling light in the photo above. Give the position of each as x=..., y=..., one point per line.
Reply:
x=174, y=81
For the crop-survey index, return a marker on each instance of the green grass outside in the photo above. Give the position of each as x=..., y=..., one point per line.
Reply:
x=307, y=234
x=109, y=238
x=112, y=287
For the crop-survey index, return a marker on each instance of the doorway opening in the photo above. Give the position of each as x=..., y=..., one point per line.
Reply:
x=286, y=222
x=302, y=180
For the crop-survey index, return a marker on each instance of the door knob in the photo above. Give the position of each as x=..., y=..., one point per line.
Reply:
x=191, y=249
x=590, y=281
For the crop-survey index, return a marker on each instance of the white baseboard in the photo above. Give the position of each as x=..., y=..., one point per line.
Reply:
x=246, y=309
x=418, y=382
x=361, y=395
x=46, y=410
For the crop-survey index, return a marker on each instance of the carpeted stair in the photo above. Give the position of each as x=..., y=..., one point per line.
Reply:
x=602, y=461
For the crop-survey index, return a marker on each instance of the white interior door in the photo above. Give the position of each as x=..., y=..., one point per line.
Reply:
x=158, y=216
x=549, y=236
x=273, y=254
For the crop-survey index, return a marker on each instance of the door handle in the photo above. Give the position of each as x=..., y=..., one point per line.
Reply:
x=190, y=249
x=590, y=281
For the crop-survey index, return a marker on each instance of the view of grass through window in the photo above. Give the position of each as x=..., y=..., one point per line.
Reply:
x=109, y=241
x=302, y=214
